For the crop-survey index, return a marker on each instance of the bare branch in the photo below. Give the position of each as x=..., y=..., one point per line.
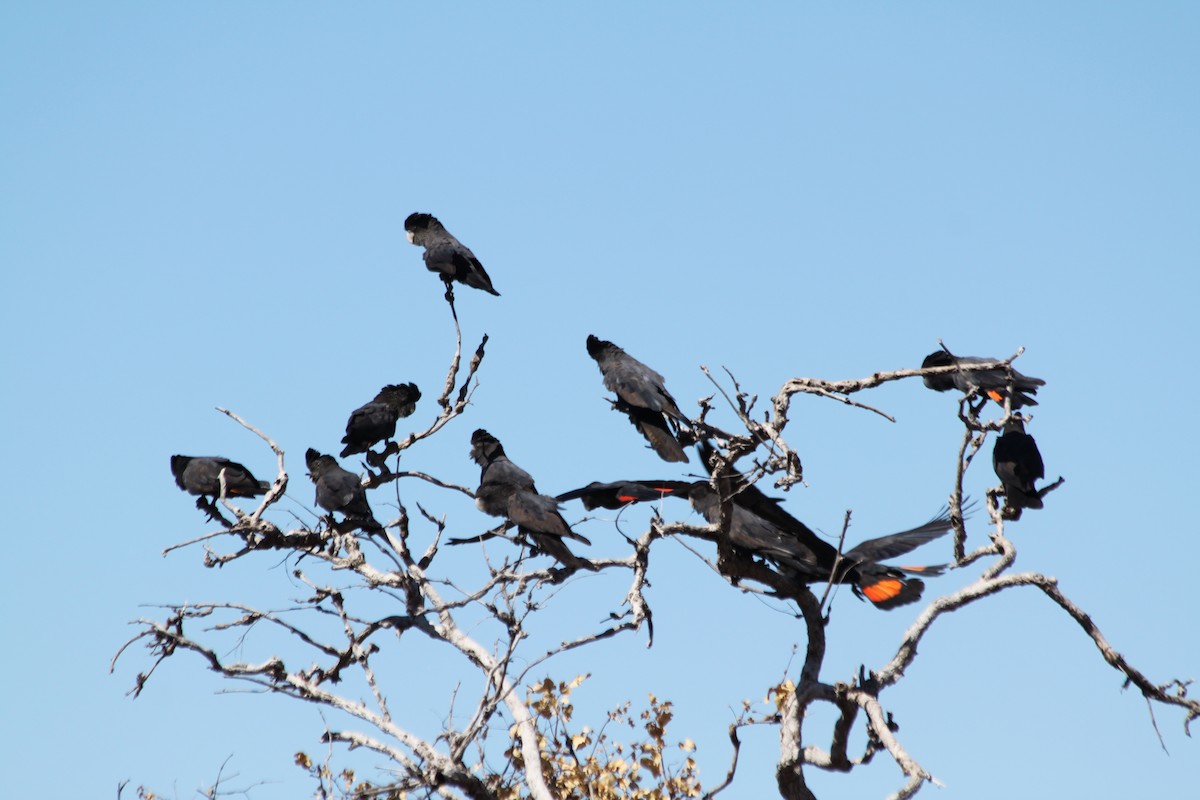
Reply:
x=368, y=589
x=917, y=775
x=279, y=486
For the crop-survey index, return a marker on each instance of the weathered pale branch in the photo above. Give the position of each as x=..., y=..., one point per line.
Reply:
x=447, y=630
x=503, y=604
x=273, y=675
x=917, y=775
x=985, y=586
x=278, y=487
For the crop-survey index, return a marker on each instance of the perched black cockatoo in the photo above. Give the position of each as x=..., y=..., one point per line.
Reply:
x=376, y=421
x=339, y=490
x=1018, y=465
x=505, y=490
x=992, y=383
x=642, y=395
x=200, y=475
x=446, y=255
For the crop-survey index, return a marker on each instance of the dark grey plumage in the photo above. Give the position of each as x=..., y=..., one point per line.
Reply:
x=796, y=554
x=642, y=395
x=339, y=489
x=376, y=421
x=619, y=494
x=760, y=525
x=1018, y=465
x=505, y=490
x=200, y=475
x=445, y=254
x=992, y=383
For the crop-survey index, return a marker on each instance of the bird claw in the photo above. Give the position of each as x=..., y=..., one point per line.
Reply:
x=213, y=514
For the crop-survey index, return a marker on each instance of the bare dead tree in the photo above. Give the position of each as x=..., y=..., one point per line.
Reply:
x=368, y=597
x=862, y=693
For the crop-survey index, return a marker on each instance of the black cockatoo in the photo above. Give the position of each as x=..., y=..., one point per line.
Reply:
x=992, y=383
x=376, y=421
x=446, y=255
x=339, y=489
x=642, y=395
x=505, y=490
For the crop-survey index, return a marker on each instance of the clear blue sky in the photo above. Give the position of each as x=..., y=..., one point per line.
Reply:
x=202, y=205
